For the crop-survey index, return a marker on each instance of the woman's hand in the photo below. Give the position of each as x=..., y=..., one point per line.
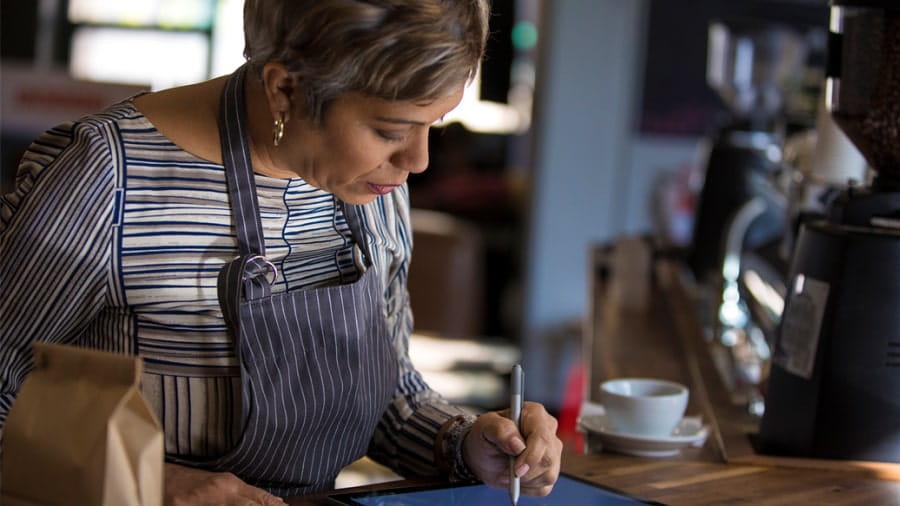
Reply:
x=190, y=486
x=494, y=438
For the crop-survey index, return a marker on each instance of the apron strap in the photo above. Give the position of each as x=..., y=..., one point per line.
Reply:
x=355, y=216
x=255, y=274
x=238, y=168
x=250, y=274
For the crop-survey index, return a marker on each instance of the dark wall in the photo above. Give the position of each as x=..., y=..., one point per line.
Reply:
x=20, y=26
x=18, y=23
x=495, y=78
x=676, y=98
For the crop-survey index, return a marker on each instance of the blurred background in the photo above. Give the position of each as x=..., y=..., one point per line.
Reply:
x=590, y=121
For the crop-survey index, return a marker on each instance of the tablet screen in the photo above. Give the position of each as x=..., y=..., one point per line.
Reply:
x=567, y=492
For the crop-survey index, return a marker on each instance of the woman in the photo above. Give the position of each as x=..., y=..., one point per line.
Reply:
x=249, y=238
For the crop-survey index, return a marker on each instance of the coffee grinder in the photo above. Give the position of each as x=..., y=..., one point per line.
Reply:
x=834, y=387
x=752, y=65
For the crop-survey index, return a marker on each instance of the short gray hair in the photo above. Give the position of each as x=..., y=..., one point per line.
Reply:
x=416, y=50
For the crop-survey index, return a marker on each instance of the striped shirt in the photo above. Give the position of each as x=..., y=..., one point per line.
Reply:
x=113, y=240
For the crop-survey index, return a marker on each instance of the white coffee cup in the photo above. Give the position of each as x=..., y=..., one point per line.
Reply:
x=643, y=406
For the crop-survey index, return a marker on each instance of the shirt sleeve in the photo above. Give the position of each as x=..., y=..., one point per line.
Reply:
x=420, y=433
x=54, y=247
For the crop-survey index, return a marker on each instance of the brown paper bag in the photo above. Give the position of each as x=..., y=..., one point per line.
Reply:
x=80, y=432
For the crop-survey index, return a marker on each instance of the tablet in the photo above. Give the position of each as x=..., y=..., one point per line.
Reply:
x=568, y=491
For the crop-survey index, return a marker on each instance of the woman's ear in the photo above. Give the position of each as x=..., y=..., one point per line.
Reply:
x=281, y=90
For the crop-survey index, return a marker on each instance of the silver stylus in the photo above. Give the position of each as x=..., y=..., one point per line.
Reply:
x=517, y=384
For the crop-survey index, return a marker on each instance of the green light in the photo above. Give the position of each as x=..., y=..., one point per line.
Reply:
x=524, y=35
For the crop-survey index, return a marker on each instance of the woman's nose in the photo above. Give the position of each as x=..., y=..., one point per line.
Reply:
x=413, y=156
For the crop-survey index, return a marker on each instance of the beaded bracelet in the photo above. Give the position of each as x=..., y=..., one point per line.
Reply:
x=450, y=455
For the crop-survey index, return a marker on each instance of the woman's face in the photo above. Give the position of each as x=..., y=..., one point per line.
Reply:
x=365, y=146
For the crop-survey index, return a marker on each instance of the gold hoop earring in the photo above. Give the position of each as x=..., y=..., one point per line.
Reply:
x=278, y=130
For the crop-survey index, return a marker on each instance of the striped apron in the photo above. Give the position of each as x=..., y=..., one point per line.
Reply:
x=318, y=368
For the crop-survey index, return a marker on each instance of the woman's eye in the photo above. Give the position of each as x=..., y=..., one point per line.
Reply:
x=391, y=136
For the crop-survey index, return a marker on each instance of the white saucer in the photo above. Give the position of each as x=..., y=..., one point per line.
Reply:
x=690, y=431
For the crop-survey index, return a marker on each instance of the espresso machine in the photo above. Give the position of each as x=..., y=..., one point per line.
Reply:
x=754, y=66
x=834, y=386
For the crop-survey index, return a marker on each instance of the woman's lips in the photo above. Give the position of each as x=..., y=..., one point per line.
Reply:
x=381, y=189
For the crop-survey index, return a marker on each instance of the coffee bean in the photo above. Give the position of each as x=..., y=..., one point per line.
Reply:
x=868, y=95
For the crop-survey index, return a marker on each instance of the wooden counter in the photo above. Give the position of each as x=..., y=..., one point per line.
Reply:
x=663, y=339
x=680, y=481
x=689, y=482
